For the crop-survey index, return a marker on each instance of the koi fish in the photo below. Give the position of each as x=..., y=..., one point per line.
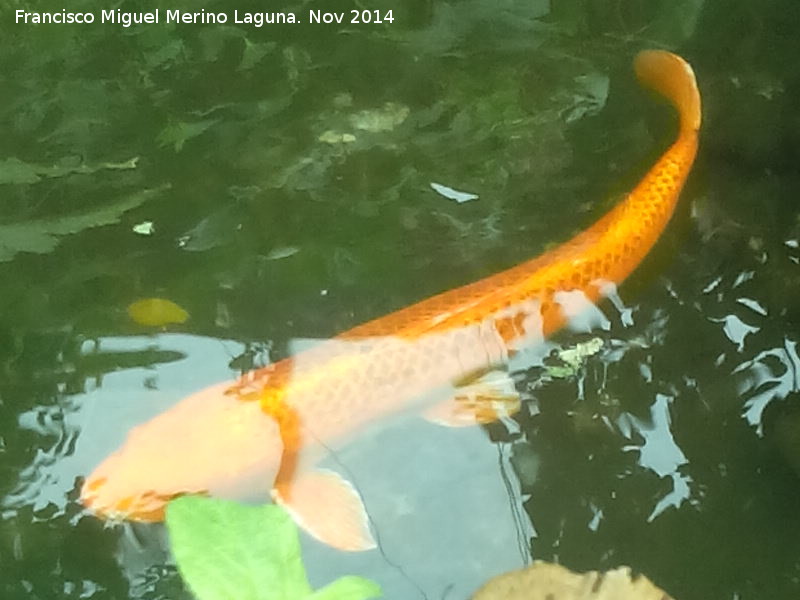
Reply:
x=439, y=355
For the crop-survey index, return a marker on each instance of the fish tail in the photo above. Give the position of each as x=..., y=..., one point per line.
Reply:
x=673, y=78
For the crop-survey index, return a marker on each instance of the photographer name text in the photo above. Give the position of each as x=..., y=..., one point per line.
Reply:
x=202, y=17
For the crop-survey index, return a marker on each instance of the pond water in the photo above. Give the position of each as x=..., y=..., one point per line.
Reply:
x=275, y=182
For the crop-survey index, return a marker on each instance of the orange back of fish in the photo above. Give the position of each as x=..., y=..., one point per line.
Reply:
x=607, y=252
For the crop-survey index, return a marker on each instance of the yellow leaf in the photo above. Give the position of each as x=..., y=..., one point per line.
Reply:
x=155, y=312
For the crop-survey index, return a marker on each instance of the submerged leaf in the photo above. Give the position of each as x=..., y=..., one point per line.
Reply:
x=254, y=52
x=589, y=95
x=42, y=235
x=333, y=137
x=15, y=171
x=217, y=229
x=178, y=133
x=380, y=119
x=156, y=312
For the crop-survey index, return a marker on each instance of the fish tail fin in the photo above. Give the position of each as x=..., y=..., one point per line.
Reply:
x=673, y=78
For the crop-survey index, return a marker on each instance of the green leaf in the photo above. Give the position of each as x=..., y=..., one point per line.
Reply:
x=230, y=551
x=573, y=358
x=217, y=229
x=15, y=171
x=254, y=52
x=348, y=588
x=176, y=134
x=42, y=235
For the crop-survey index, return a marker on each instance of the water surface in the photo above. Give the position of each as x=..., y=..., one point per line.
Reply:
x=275, y=182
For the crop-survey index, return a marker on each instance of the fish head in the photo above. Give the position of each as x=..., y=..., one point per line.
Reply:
x=210, y=443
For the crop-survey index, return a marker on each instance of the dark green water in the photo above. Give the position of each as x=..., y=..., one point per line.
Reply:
x=286, y=170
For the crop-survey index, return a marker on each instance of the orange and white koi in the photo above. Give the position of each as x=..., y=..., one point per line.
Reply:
x=283, y=416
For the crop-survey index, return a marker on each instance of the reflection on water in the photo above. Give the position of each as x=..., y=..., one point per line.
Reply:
x=85, y=427
x=771, y=375
x=660, y=453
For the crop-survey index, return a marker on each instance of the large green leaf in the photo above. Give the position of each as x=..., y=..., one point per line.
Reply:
x=230, y=551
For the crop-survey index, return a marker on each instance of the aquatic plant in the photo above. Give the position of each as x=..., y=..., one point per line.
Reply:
x=227, y=550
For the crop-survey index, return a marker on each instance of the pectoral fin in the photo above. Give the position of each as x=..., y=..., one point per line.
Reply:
x=321, y=502
x=483, y=400
x=329, y=508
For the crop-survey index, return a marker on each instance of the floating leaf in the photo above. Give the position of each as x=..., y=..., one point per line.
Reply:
x=574, y=357
x=156, y=312
x=230, y=551
x=42, y=235
x=546, y=581
x=452, y=194
x=226, y=550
